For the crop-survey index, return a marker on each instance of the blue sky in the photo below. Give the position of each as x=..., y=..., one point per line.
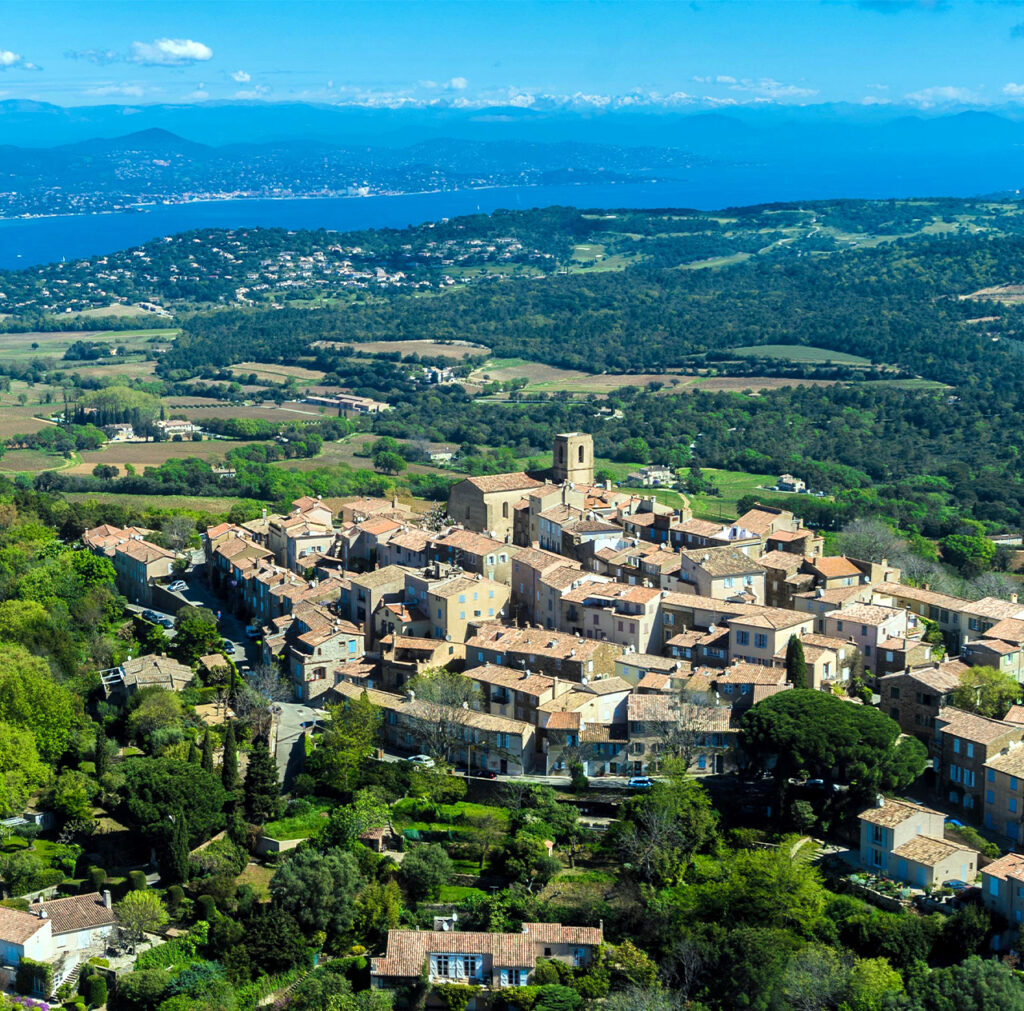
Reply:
x=925, y=54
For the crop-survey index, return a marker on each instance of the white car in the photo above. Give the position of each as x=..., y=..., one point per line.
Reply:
x=423, y=761
x=178, y=586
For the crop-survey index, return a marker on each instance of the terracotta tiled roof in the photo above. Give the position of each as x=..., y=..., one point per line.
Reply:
x=562, y=721
x=1009, y=866
x=529, y=684
x=1012, y=763
x=752, y=674
x=16, y=926
x=772, y=617
x=1015, y=714
x=993, y=607
x=971, y=727
x=1009, y=630
x=785, y=560
x=894, y=812
x=923, y=849
x=922, y=596
x=723, y=561
x=867, y=614
x=834, y=566
x=758, y=521
x=534, y=642
x=408, y=950
x=517, y=481
x=378, y=526
x=78, y=912
x=542, y=561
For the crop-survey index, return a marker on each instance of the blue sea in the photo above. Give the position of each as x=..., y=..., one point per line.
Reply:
x=27, y=242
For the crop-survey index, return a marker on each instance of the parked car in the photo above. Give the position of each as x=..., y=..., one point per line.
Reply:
x=956, y=884
x=423, y=761
x=227, y=646
x=640, y=783
x=166, y=620
x=253, y=631
x=486, y=774
x=178, y=586
x=149, y=615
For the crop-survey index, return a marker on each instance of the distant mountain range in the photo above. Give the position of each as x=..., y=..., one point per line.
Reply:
x=67, y=160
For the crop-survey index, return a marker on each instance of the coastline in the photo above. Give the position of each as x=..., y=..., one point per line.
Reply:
x=141, y=208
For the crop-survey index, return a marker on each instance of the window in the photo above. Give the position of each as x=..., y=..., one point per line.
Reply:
x=760, y=640
x=444, y=965
x=579, y=957
x=597, y=619
x=990, y=796
x=742, y=638
x=1013, y=782
x=863, y=630
x=471, y=966
x=504, y=510
x=970, y=750
x=894, y=693
x=956, y=745
x=888, y=655
x=993, y=886
x=728, y=582
x=867, y=651
x=839, y=626
x=1013, y=805
x=990, y=775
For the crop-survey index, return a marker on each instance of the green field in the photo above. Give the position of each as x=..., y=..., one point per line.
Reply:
x=799, y=353
x=733, y=485
x=192, y=503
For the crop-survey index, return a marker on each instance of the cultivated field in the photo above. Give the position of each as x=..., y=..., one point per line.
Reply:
x=278, y=373
x=17, y=419
x=343, y=453
x=32, y=461
x=550, y=379
x=433, y=349
x=201, y=408
x=147, y=454
x=198, y=503
x=799, y=353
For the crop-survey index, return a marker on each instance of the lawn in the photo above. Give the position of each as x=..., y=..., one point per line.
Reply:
x=300, y=826
x=456, y=893
x=800, y=353
x=258, y=878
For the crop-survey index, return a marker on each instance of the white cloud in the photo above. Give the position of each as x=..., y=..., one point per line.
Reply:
x=15, y=61
x=457, y=84
x=942, y=94
x=257, y=91
x=124, y=90
x=170, y=52
x=99, y=56
x=241, y=77
x=1013, y=90
x=768, y=87
x=199, y=95
x=725, y=79
x=875, y=100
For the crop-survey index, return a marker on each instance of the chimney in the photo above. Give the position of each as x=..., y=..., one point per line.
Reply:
x=1013, y=598
x=106, y=898
x=43, y=914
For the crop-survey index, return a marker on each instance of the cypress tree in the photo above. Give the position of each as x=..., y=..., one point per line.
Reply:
x=229, y=767
x=193, y=752
x=101, y=754
x=208, y=751
x=796, y=665
x=262, y=798
x=175, y=871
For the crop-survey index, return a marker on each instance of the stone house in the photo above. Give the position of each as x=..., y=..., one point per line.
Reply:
x=906, y=843
x=486, y=504
x=494, y=961
x=722, y=573
x=964, y=744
